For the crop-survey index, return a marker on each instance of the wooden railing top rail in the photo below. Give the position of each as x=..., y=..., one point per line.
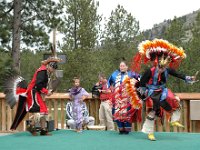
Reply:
x=2, y=95
x=188, y=96
x=183, y=96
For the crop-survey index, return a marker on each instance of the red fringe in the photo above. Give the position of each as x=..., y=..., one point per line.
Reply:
x=136, y=63
x=132, y=115
x=175, y=64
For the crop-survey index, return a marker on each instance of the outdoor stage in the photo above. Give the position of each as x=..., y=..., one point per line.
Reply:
x=100, y=140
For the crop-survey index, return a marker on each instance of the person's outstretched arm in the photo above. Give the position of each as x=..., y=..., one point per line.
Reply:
x=187, y=79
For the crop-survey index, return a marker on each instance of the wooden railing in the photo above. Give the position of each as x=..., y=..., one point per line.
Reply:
x=56, y=105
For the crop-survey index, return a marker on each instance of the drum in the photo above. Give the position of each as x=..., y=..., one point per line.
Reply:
x=96, y=127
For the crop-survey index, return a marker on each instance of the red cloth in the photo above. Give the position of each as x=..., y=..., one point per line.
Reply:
x=32, y=83
x=105, y=96
x=37, y=98
x=43, y=107
x=170, y=99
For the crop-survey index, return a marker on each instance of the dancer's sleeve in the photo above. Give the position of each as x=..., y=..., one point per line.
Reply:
x=187, y=79
x=110, y=81
x=135, y=75
x=176, y=74
x=145, y=78
x=41, y=83
x=143, y=81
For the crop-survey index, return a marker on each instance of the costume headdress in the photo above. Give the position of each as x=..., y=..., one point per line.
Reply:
x=158, y=51
x=52, y=61
x=164, y=62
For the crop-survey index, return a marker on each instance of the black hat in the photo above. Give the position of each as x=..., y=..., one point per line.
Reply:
x=54, y=65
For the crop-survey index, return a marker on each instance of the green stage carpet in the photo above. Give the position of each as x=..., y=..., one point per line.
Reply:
x=100, y=140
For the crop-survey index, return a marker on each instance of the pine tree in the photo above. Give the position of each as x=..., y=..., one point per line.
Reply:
x=82, y=24
x=27, y=23
x=120, y=32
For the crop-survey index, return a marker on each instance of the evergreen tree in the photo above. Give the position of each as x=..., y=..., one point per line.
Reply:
x=174, y=34
x=120, y=32
x=193, y=54
x=82, y=24
x=6, y=26
x=27, y=22
x=37, y=19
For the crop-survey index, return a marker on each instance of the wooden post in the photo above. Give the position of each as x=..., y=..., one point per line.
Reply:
x=166, y=124
x=92, y=111
x=62, y=115
x=49, y=104
x=97, y=104
x=181, y=118
x=197, y=127
x=0, y=114
x=9, y=118
x=55, y=113
x=3, y=113
x=187, y=115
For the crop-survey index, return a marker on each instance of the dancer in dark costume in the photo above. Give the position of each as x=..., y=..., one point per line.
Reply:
x=159, y=98
x=31, y=98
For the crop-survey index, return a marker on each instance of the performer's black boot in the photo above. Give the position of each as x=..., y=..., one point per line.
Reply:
x=32, y=130
x=126, y=132
x=44, y=132
x=123, y=132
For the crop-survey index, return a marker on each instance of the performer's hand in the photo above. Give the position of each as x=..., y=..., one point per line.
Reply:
x=142, y=91
x=49, y=93
x=191, y=79
x=84, y=97
x=99, y=90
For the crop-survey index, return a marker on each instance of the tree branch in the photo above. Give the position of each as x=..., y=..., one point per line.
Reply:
x=5, y=13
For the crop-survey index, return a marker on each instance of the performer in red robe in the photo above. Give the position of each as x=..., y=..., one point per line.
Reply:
x=31, y=98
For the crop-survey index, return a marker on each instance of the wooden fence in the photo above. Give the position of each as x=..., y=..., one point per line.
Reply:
x=56, y=105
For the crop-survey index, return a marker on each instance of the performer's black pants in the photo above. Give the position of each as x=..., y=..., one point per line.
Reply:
x=157, y=103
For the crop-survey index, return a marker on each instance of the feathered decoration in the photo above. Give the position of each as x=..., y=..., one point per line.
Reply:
x=51, y=59
x=158, y=45
x=14, y=86
x=151, y=50
x=130, y=106
x=132, y=92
